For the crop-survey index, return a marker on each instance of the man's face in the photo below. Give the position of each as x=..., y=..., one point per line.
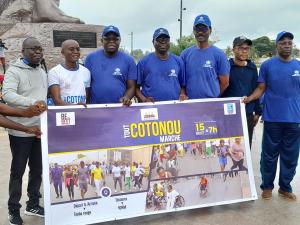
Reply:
x=111, y=43
x=285, y=47
x=71, y=51
x=201, y=33
x=161, y=173
x=33, y=51
x=242, y=52
x=162, y=44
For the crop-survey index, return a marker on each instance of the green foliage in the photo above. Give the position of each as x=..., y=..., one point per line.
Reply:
x=185, y=42
x=264, y=47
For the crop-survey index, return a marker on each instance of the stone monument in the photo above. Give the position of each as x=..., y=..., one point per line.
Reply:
x=44, y=20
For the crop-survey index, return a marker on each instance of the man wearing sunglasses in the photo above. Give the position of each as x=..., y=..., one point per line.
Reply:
x=206, y=66
x=160, y=74
x=113, y=73
x=25, y=84
x=243, y=80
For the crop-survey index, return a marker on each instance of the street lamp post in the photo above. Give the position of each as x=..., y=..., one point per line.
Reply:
x=180, y=20
x=131, y=41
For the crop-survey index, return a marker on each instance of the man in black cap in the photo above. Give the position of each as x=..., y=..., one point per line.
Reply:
x=243, y=80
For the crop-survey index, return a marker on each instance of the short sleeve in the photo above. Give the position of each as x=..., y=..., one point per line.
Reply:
x=223, y=66
x=140, y=73
x=181, y=75
x=53, y=78
x=132, y=70
x=262, y=74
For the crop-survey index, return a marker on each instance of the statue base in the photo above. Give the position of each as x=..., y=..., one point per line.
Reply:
x=50, y=35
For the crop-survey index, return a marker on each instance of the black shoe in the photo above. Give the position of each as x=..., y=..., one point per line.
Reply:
x=35, y=211
x=15, y=218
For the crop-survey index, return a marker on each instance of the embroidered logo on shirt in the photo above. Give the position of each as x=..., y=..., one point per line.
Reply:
x=117, y=72
x=173, y=73
x=296, y=73
x=208, y=64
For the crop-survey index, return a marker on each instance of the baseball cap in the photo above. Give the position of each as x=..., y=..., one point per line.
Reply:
x=160, y=31
x=202, y=19
x=111, y=29
x=241, y=40
x=283, y=34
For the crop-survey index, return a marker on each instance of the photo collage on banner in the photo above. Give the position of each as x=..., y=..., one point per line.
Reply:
x=107, y=163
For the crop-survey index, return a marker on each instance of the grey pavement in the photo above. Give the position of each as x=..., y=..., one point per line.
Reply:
x=277, y=211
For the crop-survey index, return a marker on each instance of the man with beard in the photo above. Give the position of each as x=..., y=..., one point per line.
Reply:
x=160, y=74
x=69, y=82
x=279, y=80
x=25, y=84
x=113, y=73
x=206, y=66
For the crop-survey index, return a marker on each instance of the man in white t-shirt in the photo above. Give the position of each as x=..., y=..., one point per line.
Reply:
x=116, y=171
x=171, y=197
x=69, y=82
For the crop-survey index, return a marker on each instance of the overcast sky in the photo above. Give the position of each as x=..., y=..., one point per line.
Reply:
x=230, y=18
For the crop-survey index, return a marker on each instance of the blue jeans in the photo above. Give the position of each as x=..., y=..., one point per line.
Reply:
x=279, y=139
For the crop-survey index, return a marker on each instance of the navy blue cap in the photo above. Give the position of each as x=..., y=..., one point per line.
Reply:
x=160, y=31
x=202, y=19
x=111, y=29
x=283, y=34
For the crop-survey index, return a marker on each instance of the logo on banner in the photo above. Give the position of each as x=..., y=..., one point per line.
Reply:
x=149, y=114
x=105, y=192
x=229, y=109
x=65, y=119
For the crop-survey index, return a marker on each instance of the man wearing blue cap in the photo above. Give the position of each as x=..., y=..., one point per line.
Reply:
x=160, y=74
x=113, y=73
x=206, y=66
x=279, y=79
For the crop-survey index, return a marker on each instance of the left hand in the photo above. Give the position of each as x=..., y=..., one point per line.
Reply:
x=125, y=100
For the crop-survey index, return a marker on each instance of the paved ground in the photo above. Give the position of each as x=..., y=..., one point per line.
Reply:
x=273, y=212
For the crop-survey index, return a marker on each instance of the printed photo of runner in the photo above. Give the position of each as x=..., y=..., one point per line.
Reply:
x=192, y=158
x=82, y=175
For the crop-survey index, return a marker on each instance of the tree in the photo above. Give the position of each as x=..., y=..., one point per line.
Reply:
x=228, y=52
x=183, y=43
x=137, y=54
x=264, y=46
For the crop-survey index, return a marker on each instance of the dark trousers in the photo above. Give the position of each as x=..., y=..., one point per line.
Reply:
x=58, y=187
x=279, y=139
x=250, y=124
x=23, y=150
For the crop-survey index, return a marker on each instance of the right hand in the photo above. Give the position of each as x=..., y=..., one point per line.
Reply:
x=34, y=130
x=149, y=99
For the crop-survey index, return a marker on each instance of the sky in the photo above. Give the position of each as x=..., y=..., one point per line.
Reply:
x=230, y=18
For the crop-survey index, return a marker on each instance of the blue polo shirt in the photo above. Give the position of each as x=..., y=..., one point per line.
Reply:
x=202, y=70
x=282, y=95
x=242, y=82
x=109, y=76
x=161, y=79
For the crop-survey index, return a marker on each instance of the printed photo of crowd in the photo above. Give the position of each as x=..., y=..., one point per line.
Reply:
x=225, y=155
x=83, y=175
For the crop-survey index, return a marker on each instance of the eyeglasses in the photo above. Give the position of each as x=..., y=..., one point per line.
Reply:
x=35, y=49
x=107, y=39
x=202, y=29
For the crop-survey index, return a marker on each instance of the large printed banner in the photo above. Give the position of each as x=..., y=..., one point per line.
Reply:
x=109, y=162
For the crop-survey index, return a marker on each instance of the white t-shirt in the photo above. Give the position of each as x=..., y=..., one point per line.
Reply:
x=171, y=198
x=137, y=172
x=116, y=171
x=72, y=83
x=127, y=171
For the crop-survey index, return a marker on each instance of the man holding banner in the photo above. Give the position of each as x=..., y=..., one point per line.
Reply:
x=279, y=79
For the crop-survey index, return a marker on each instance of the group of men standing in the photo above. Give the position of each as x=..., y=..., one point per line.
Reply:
x=111, y=76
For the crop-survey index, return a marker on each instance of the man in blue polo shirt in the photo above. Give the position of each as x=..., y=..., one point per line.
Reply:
x=243, y=80
x=160, y=74
x=206, y=66
x=113, y=73
x=279, y=79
